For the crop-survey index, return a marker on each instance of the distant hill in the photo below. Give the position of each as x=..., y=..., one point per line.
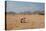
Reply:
x=39, y=12
x=28, y=12
x=11, y=12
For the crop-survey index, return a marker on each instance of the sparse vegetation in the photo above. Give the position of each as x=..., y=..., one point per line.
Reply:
x=28, y=12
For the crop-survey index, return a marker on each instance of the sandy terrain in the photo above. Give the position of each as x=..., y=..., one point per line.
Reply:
x=33, y=22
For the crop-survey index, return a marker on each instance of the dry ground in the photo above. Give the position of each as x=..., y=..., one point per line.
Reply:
x=33, y=22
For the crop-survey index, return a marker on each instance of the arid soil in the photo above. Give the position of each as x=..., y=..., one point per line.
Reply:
x=32, y=22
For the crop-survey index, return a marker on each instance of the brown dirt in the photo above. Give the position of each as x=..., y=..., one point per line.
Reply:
x=33, y=22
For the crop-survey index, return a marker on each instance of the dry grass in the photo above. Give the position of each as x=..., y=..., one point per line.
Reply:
x=33, y=22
